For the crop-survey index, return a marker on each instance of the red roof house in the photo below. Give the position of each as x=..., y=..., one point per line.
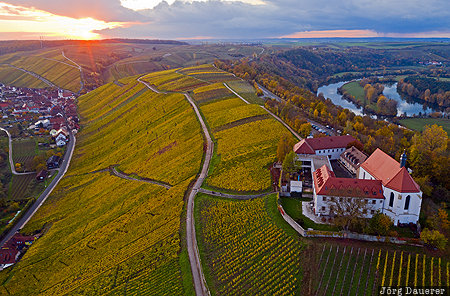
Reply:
x=332, y=146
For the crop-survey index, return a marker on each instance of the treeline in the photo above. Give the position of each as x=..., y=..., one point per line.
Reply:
x=426, y=89
x=299, y=103
x=373, y=93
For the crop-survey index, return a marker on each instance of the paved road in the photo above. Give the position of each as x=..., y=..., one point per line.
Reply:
x=124, y=176
x=41, y=199
x=11, y=161
x=271, y=95
x=232, y=196
x=194, y=256
x=236, y=93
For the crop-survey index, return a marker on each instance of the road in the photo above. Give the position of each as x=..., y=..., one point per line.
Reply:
x=200, y=286
x=48, y=82
x=232, y=196
x=124, y=176
x=41, y=199
x=271, y=95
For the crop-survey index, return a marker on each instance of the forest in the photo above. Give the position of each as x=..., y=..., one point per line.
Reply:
x=429, y=90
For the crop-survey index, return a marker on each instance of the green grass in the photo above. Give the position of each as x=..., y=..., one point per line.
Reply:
x=245, y=90
x=293, y=208
x=419, y=124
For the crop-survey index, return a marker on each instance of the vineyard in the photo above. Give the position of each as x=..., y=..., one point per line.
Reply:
x=109, y=235
x=245, y=90
x=24, y=187
x=12, y=76
x=208, y=73
x=347, y=270
x=244, y=251
x=170, y=80
x=62, y=75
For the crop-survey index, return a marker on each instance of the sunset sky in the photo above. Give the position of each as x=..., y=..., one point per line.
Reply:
x=245, y=19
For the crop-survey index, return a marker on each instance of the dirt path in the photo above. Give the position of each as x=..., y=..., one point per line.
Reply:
x=114, y=171
x=194, y=255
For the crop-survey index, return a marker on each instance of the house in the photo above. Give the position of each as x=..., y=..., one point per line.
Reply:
x=41, y=175
x=328, y=190
x=332, y=146
x=352, y=158
x=402, y=194
x=61, y=137
x=8, y=257
x=53, y=162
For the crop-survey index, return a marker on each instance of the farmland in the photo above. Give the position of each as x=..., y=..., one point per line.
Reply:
x=12, y=76
x=419, y=124
x=110, y=235
x=245, y=90
x=347, y=270
x=244, y=250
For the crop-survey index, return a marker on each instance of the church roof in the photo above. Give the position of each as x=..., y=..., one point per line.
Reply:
x=309, y=146
x=388, y=170
x=326, y=183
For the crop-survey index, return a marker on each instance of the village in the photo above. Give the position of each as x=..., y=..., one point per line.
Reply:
x=38, y=123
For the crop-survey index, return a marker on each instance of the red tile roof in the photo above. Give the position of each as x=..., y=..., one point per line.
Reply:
x=308, y=146
x=326, y=183
x=8, y=256
x=388, y=170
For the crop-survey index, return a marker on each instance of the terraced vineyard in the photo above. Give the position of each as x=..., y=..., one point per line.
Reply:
x=107, y=235
x=347, y=270
x=12, y=76
x=61, y=73
x=244, y=251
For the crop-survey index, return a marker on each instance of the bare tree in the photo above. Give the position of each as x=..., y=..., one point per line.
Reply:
x=347, y=211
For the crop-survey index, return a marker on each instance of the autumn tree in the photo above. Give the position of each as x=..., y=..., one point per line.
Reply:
x=380, y=223
x=348, y=212
x=285, y=145
x=434, y=238
x=290, y=163
x=305, y=129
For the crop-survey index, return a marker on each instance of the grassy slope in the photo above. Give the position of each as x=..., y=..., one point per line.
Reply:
x=419, y=124
x=106, y=235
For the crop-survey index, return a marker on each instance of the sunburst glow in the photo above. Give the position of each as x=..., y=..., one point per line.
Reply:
x=41, y=23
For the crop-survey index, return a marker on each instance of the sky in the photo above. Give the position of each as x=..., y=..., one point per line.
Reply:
x=219, y=19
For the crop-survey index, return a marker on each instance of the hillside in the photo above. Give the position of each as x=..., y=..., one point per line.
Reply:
x=105, y=234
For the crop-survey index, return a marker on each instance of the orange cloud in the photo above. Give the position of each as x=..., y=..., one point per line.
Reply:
x=30, y=21
x=333, y=34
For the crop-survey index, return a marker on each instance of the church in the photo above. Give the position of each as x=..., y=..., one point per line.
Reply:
x=383, y=183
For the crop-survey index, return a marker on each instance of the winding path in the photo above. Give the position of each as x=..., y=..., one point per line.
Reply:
x=114, y=171
x=194, y=255
x=79, y=68
x=232, y=196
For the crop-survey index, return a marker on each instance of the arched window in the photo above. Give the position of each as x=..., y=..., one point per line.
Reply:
x=391, y=200
x=408, y=198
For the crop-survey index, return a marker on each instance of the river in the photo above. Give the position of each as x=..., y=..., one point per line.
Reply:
x=390, y=91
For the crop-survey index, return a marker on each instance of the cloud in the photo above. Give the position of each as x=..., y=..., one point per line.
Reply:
x=258, y=19
x=275, y=18
x=105, y=10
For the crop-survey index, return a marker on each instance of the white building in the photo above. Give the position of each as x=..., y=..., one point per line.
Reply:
x=403, y=198
x=329, y=190
x=332, y=147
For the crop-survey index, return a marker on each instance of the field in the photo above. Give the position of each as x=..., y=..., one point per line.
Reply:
x=245, y=90
x=24, y=187
x=244, y=250
x=12, y=76
x=419, y=124
x=109, y=235
x=171, y=80
x=62, y=74
x=347, y=270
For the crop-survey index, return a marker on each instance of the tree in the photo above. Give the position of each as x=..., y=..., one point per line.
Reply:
x=433, y=139
x=439, y=221
x=289, y=163
x=434, y=238
x=380, y=223
x=305, y=129
x=285, y=145
x=348, y=212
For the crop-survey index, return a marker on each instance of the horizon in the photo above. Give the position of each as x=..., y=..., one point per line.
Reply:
x=244, y=19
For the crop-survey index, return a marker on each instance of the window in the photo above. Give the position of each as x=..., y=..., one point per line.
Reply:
x=364, y=211
x=364, y=175
x=381, y=201
x=323, y=209
x=391, y=200
x=372, y=212
x=366, y=201
x=407, y=202
x=373, y=202
x=340, y=199
x=324, y=198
